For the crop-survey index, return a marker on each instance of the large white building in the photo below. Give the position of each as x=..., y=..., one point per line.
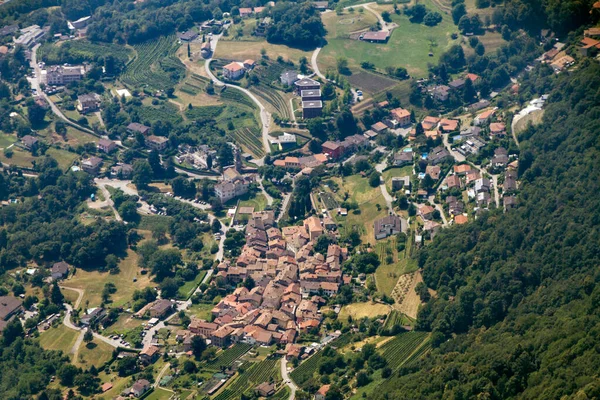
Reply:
x=59, y=75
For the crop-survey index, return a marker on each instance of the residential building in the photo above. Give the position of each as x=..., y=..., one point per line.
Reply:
x=482, y=185
x=426, y=212
x=433, y=171
x=311, y=95
x=228, y=190
x=93, y=316
x=306, y=84
x=322, y=392
x=135, y=127
x=62, y=75
x=60, y=270
x=500, y=158
x=388, y=226
x=510, y=202
x=400, y=183
x=106, y=146
x=403, y=158
x=333, y=149
x=262, y=26
x=249, y=64
x=265, y=389
x=497, y=129
x=288, y=77
x=438, y=155
x=457, y=84
x=474, y=78
x=189, y=36
x=9, y=308
x=430, y=123
x=149, y=354
x=461, y=219
x=375, y=37
x=401, y=116
x=140, y=387
x=321, y=5
x=462, y=169
x=121, y=171
x=91, y=165
x=313, y=227
x=161, y=308
x=29, y=142
x=484, y=118
x=88, y=103
x=440, y=92
x=202, y=328
x=233, y=71
x=158, y=143
x=312, y=109
x=379, y=127
x=448, y=125
x=453, y=181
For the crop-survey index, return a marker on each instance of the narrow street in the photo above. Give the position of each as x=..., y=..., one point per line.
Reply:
x=288, y=381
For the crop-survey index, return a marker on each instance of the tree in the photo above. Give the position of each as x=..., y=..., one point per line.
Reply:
x=163, y=262
x=56, y=296
x=249, y=283
x=416, y=13
x=169, y=288
x=480, y=49
x=386, y=16
x=374, y=179
x=458, y=11
x=66, y=374
x=469, y=92
x=432, y=18
x=198, y=346
x=296, y=25
x=12, y=331
x=346, y=124
x=342, y=65
x=142, y=174
x=88, y=336
x=127, y=366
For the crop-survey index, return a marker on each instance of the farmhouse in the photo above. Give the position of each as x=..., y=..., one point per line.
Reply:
x=88, y=103
x=29, y=142
x=375, y=37
x=288, y=77
x=388, y=226
x=134, y=127
x=233, y=71
x=188, y=36
x=312, y=109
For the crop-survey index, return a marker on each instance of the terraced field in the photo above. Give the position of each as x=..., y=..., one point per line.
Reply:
x=397, y=350
x=155, y=67
x=249, y=138
x=194, y=84
x=250, y=378
x=275, y=99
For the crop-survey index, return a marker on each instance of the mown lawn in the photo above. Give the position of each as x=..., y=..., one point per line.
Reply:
x=394, y=173
x=340, y=26
x=361, y=310
x=60, y=338
x=244, y=49
x=159, y=394
x=201, y=311
x=6, y=140
x=408, y=47
x=96, y=353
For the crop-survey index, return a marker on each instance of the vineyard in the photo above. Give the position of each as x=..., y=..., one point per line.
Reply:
x=249, y=138
x=156, y=66
x=164, y=112
x=194, y=84
x=329, y=200
x=227, y=357
x=237, y=97
x=276, y=100
x=394, y=318
x=258, y=373
x=397, y=350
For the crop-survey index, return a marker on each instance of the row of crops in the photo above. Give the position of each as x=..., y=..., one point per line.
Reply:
x=155, y=65
x=237, y=97
x=272, y=97
x=194, y=84
x=258, y=373
x=330, y=202
x=205, y=112
x=164, y=112
x=228, y=356
x=250, y=138
x=398, y=349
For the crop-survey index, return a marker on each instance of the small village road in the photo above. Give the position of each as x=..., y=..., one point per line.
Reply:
x=288, y=381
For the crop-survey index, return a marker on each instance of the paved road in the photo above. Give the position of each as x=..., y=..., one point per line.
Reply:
x=67, y=322
x=457, y=156
x=123, y=185
x=267, y=195
x=288, y=381
x=195, y=175
x=439, y=208
x=496, y=192
x=315, y=66
x=35, y=84
x=109, y=201
x=160, y=375
x=265, y=116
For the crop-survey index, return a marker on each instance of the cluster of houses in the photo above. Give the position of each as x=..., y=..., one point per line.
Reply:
x=309, y=91
x=397, y=118
x=60, y=75
x=306, y=163
x=337, y=149
x=291, y=283
x=196, y=156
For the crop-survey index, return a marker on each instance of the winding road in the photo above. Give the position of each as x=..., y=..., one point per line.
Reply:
x=288, y=381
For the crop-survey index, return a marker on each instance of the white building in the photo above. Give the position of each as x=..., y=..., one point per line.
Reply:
x=59, y=75
x=30, y=35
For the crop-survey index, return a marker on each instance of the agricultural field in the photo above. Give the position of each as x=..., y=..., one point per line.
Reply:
x=164, y=112
x=6, y=140
x=155, y=67
x=201, y=113
x=397, y=350
x=227, y=357
x=370, y=82
x=395, y=318
x=250, y=139
x=407, y=300
x=361, y=310
x=60, y=338
x=250, y=378
x=93, y=282
x=409, y=45
x=244, y=49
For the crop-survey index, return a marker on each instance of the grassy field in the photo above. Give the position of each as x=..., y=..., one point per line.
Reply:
x=64, y=158
x=93, y=282
x=20, y=158
x=368, y=198
x=124, y=323
x=96, y=353
x=188, y=288
x=159, y=394
x=361, y=310
x=60, y=338
x=76, y=137
x=242, y=50
x=258, y=201
x=6, y=140
x=408, y=46
x=340, y=26
x=387, y=274
x=201, y=311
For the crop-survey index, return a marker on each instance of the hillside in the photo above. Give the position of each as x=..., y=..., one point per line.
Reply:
x=517, y=308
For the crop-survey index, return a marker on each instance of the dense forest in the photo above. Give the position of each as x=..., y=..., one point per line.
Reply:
x=297, y=25
x=516, y=311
